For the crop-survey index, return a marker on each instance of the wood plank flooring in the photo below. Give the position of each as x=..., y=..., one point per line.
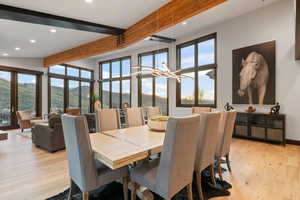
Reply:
x=260, y=171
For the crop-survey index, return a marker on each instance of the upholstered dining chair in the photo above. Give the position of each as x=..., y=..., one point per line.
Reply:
x=107, y=119
x=73, y=111
x=223, y=148
x=206, y=148
x=199, y=110
x=153, y=112
x=174, y=170
x=135, y=117
x=87, y=173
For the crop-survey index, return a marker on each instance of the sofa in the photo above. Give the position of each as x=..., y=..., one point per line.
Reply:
x=49, y=136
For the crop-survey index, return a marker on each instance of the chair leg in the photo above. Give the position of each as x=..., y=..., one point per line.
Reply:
x=190, y=191
x=125, y=188
x=228, y=163
x=220, y=169
x=212, y=174
x=85, y=196
x=133, y=191
x=70, y=192
x=199, y=185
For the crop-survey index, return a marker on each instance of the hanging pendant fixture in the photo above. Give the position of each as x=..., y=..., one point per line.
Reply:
x=163, y=72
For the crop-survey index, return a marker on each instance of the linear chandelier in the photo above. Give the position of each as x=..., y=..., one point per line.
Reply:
x=163, y=72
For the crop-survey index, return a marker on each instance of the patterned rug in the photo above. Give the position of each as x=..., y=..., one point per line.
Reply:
x=114, y=191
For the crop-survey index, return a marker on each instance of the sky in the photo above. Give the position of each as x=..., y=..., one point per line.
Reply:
x=22, y=78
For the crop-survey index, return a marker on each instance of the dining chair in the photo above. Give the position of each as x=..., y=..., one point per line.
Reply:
x=174, y=170
x=87, y=173
x=153, y=112
x=199, y=110
x=135, y=117
x=206, y=148
x=107, y=119
x=223, y=148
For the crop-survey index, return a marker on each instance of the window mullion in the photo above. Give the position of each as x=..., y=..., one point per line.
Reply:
x=153, y=80
x=196, y=74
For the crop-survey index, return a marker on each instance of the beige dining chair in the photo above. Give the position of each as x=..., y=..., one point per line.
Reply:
x=206, y=149
x=153, y=112
x=174, y=170
x=199, y=110
x=86, y=172
x=107, y=119
x=135, y=117
x=223, y=148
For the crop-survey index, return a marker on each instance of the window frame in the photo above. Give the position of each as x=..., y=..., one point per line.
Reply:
x=141, y=76
x=196, y=69
x=66, y=79
x=121, y=78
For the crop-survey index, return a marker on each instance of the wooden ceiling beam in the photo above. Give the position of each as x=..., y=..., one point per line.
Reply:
x=168, y=15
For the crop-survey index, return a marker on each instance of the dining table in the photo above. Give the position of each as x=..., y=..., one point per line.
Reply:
x=123, y=147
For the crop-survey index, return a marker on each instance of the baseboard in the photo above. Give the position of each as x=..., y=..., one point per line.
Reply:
x=294, y=142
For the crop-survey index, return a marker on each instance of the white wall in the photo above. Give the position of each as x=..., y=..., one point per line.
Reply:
x=274, y=22
x=37, y=65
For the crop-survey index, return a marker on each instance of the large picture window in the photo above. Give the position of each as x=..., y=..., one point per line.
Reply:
x=153, y=91
x=70, y=87
x=197, y=59
x=115, y=87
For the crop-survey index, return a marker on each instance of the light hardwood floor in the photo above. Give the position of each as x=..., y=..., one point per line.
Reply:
x=260, y=171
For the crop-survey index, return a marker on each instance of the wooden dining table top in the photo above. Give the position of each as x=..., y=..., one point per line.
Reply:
x=121, y=147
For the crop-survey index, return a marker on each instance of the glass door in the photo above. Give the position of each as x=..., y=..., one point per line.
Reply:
x=27, y=92
x=5, y=99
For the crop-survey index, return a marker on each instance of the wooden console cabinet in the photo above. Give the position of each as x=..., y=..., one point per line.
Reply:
x=261, y=127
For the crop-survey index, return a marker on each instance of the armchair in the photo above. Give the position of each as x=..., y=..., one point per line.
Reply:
x=25, y=119
x=49, y=136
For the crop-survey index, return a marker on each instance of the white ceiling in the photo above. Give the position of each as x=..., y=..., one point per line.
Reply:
x=224, y=12
x=119, y=13
x=18, y=34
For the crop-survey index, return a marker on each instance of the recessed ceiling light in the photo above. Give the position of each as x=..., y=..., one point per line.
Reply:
x=89, y=1
x=32, y=41
x=5, y=54
x=17, y=48
x=53, y=30
x=184, y=23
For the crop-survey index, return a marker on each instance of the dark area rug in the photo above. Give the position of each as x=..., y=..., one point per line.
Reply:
x=114, y=191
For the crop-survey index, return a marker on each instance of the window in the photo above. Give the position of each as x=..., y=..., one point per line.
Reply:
x=153, y=91
x=72, y=72
x=27, y=92
x=115, y=84
x=74, y=92
x=57, y=69
x=70, y=87
x=57, y=94
x=197, y=59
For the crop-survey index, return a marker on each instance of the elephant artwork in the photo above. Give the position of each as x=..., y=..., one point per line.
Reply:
x=254, y=74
